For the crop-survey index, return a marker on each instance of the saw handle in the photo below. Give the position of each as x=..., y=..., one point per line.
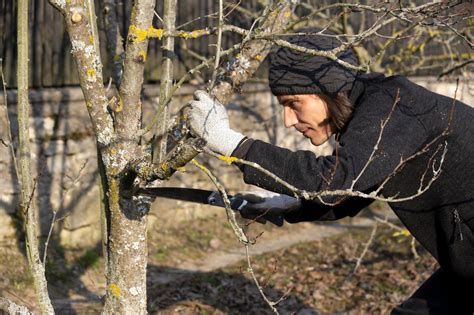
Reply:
x=238, y=204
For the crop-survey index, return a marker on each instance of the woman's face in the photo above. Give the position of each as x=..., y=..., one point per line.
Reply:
x=307, y=113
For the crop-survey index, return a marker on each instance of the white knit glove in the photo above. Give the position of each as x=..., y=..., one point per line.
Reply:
x=208, y=120
x=266, y=203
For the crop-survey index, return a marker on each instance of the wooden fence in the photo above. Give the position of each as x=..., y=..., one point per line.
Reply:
x=51, y=63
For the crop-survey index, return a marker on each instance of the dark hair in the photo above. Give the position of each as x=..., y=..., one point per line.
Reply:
x=340, y=108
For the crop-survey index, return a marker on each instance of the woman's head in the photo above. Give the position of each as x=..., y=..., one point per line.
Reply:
x=318, y=85
x=316, y=116
x=295, y=72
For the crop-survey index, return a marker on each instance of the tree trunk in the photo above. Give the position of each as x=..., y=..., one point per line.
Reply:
x=118, y=145
x=127, y=252
x=27, y=203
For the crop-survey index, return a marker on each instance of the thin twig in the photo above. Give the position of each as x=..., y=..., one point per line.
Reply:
x=218, y=46
x=257, y=283
x=376, y=146
x=413, y=248
x=365, y=250
x=230, y=213
x=7, y=118
x=74, y=181
x=177, y=85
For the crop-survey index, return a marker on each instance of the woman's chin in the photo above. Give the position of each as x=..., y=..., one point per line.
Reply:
x=318, y=140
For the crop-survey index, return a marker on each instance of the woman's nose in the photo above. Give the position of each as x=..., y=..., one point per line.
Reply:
x=290, y=118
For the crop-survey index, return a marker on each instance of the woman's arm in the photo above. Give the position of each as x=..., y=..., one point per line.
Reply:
x=348, y=167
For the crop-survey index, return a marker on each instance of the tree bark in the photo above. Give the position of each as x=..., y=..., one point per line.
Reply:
x=166, y=82
x=27, y=203
x=115, y=122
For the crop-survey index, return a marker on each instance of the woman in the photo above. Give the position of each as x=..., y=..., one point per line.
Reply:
x=421, y=158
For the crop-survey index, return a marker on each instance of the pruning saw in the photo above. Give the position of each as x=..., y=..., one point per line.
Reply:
x=207, y=197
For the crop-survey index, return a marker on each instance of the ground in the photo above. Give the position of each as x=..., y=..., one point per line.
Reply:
x=199, y=268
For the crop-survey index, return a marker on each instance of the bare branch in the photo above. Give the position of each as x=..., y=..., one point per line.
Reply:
x=114, y=46
x=242, y=237
x=24, y=169
x=177, y=158
x=160, y=138
x=255, y=280
x=74, y=182
x=177, y=85
x=7, y=129
x=218, y=46
x=129, y=117
x=241, y=67
x=81, y=29
x=376, y=146
x=366, y=248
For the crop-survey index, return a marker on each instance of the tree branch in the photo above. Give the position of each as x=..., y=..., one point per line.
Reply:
x=160, y=138
x=81, y=32
x=114, y=46
x=27, y=207
x=128, y=119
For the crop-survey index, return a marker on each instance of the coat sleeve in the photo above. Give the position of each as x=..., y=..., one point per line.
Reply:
x=313, y=211
x=403, y=136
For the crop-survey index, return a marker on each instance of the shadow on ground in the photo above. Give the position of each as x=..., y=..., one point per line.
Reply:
x=173, y=290
x=208, y=292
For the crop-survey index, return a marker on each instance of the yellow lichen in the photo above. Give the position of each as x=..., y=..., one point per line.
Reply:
x=422, y=47
x=120, y=105
x=115, y=290
x=184, y=35
x=403, y=232
x=432, y=33
x=165, y=166
x=142, y=55
x=228, y=159
x=181, y=169
x=259, y=57
x=114, y=195
x=91, y=39
x=136, y=34
x=155, y=32
x=202, y=167
x=197, y=33
x=287, y=14
x=91, y=72
x=89, y=104
x=117, y=58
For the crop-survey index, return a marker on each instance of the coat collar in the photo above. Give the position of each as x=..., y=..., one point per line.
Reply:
x=360, y=83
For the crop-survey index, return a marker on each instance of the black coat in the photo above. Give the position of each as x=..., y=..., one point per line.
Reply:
x=442, y=218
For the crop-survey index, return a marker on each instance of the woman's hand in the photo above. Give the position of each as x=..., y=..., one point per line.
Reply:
x=209, y=120
x=266, y=203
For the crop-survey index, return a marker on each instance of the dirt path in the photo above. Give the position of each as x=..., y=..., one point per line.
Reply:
x=222, y=258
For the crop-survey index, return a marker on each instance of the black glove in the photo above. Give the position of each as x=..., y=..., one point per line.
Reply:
x=263, y=205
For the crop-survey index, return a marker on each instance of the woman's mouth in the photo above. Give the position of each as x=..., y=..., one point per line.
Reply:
x=303, y=130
